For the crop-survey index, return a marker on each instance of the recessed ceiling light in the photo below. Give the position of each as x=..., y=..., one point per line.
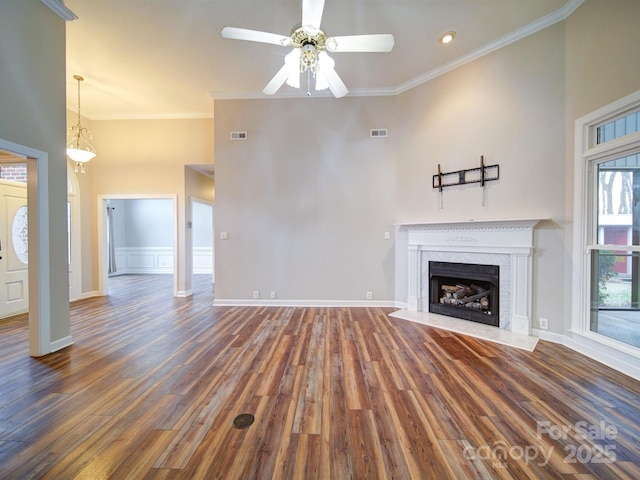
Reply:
x=447, y=37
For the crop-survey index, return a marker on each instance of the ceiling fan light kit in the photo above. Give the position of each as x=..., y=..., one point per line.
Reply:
x=309, y=55
x=78, y=147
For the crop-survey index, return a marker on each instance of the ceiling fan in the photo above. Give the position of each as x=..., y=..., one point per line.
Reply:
x=309, y=47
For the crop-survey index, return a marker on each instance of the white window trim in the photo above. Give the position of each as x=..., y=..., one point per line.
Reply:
x=587, y=154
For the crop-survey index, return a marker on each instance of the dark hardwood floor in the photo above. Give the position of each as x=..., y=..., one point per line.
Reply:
x=153, y=383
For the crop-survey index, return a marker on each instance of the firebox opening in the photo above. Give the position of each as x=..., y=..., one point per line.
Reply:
x=465, y=291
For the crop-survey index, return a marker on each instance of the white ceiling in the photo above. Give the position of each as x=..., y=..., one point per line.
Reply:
x=166, y=58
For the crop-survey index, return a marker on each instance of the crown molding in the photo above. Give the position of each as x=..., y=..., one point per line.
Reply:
x=158, y=116
x=356, y=92
x=523, y=32
x=61, y=10
x=286, y=93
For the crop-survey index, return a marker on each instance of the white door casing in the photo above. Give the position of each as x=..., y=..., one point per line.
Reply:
x=14, y=266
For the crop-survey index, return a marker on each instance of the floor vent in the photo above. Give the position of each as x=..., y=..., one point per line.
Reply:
x=244, y=420
x=378, y=132
x=238, y=135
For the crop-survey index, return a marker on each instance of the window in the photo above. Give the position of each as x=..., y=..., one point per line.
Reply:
x=606, y=276
x=20, y=234
x=615, y=277
x=618, y=128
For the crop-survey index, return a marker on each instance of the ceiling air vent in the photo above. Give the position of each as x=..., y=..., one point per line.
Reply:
x=238, y=135
x=378, y=132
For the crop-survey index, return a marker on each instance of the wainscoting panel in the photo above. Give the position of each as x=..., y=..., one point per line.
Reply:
x=149, y=260
x=157, y=260
x=203, y=260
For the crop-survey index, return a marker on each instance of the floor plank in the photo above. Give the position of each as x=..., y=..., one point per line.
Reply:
x=152, y=384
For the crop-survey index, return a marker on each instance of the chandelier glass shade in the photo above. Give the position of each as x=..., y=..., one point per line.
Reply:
x=78, y=147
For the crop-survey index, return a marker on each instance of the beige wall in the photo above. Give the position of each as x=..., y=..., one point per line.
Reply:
x=306, y=199
x=32, y=99
x=509, y=107
x=147, y=157
x=602, y=58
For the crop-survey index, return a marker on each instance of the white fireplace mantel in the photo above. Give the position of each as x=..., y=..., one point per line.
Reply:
x=507, y=243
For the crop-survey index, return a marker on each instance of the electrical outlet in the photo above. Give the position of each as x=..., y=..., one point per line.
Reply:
x=224, y=235
x=387, y=235
x=256, y=294
x=544, y=324
x=369, y=296
x=273, y=294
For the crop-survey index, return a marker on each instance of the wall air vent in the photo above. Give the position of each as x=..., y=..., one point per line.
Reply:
x=378, y=132
x=238, y=135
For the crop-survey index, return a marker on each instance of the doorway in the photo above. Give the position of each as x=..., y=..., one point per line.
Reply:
x=202, y=214
x=124, y=229
x=74, y=239
x=40, y=302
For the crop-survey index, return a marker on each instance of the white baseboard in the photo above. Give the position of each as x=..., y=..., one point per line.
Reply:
x=92, y=293
x=203, y=260
x=549, y=336
x=60, y=344
x=225, y=302
x=608, y=356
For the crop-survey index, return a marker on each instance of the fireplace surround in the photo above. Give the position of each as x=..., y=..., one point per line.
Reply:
x=505, y=244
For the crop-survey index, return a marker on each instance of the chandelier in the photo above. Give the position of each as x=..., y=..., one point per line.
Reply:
x=78, y=147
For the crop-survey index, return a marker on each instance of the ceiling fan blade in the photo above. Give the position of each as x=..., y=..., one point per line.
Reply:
x=382, y=42
x=312, y=13
x=236, y=33
x=336, y=85
x=277, y=81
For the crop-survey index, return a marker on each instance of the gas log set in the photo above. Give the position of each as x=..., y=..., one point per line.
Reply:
x=470, y=296
x=467, y=291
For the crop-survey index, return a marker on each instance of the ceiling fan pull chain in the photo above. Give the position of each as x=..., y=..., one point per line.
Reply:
x=308, y=83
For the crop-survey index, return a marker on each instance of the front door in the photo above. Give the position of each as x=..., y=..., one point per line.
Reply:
x=14, y=269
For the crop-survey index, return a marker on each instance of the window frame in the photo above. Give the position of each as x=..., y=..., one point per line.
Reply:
x=588, y=154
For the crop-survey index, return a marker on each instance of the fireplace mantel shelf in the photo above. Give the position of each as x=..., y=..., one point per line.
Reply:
x=484, y=223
